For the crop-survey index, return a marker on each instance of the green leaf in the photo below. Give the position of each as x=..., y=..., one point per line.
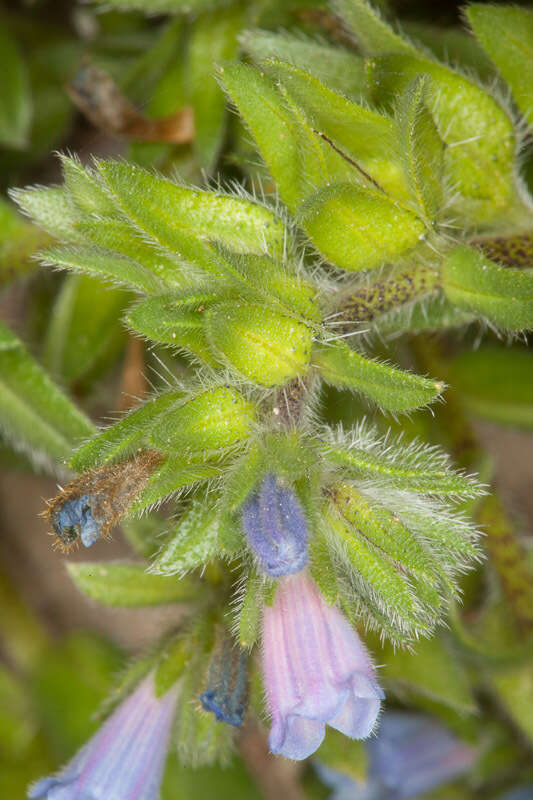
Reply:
x=193, y=541
x=385, y=531
x=176, y=319
x=292, y=153
x=216, y=419
x=373, y=34
x=128, y=585
x=432, y=671
x=339, y=69
x=507, y=36
x=75, y=673
x=509, y=399
x=15, y=97
x=34, y=413
x=365, y=135
x=103, y=263
x=86, y=190
x=168, y=211
x=477, y=131
x=51, y=208
x=173, y=661
x=242, y=476
x=174, y=474
x=250, y=612
x=153, y=65
x=269, y=281
x=267, y=348
x=381, y=586
x=421, y=147
x=358, y=228
x=322, y=569
x=392, y=389
x=412, y=466
x=514, y=690
x=123, y=238
x=123, y=437
x=84, y=327
x=212, y=40
x=19, y=240
x=475, y=283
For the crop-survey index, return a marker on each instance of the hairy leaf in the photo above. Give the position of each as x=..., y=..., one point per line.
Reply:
x=421, y=148
x=34, y=413
x=339, y=69
x=104, y=263
x=193, y=541
x=474, y=282
x=392, y=389
x=507, y=36
x=124, y=436
x=373, y=34
x=165, y=210
x=128, y=585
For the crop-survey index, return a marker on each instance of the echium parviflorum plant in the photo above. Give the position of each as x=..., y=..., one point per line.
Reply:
x=379, y=197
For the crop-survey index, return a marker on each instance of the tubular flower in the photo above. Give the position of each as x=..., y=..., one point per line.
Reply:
x=275, y=526
x=411, y=755
x=125, y=759
x=316, y=671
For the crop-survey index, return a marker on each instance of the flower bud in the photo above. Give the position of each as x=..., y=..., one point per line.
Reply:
x=266, y=347
x=276, y=528
x=226, y=694
x=212, y=420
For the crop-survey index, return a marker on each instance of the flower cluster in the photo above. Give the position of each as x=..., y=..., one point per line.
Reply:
x=293, y=533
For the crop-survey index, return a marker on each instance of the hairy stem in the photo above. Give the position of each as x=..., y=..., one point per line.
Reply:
x=276, y=777
x=512, y=251
x=369, y=301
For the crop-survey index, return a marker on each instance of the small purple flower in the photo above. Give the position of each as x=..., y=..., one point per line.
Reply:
x=316, y=670
x=275, y=525
x=411, y=755
x=125, y=758
x=226, y=694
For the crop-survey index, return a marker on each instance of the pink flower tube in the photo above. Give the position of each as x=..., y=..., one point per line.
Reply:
x=316, y=670
x=125, y=758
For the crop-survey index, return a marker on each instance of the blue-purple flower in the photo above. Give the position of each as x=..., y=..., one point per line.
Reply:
x=316, y=670
x=411, y=754
x=125, y=758
x=226, y=693
x=276, y=528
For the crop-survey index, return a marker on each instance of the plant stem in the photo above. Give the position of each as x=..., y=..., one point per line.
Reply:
x=367, y=302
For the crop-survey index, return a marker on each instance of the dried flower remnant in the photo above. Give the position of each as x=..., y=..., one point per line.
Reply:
x=91, y=505
x=97, y=96
x=226, y=694
x=316, y=670
x=275, y=526
x=125, y=758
